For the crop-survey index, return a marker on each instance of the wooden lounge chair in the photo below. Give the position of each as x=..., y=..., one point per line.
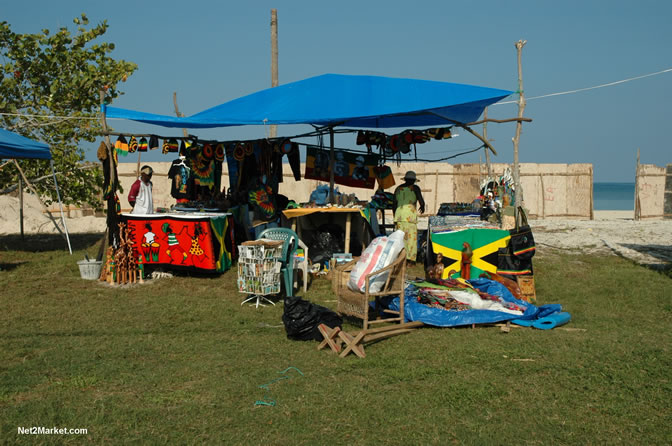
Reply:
x=356, y=304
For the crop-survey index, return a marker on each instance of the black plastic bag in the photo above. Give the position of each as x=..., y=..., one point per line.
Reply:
x=301, y=319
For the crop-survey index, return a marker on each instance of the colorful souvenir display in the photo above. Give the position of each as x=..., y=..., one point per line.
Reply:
x=350, y=169
x=204, y=243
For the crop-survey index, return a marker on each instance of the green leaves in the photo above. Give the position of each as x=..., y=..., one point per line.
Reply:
x=58, y=74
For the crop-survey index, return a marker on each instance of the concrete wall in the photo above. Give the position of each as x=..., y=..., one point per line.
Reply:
x=549, y=190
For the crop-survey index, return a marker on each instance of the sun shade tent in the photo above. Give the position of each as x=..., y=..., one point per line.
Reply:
x=15, y=146
x=341, y=100
x=332, y=100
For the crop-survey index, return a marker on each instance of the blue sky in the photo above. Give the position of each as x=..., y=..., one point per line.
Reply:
x=210, y=52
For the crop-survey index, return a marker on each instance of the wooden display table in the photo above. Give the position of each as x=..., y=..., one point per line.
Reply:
x=295, y=216
x=199, y=240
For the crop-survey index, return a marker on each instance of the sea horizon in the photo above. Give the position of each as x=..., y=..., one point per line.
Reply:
x=614, y=196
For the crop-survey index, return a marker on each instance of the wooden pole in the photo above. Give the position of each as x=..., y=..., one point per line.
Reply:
x=638, y=210
x=113, y=168
x=274, y=60
x=592, y=198
x=178, y=114
x=21, y=205
x=480, y=166
x=519, y=125
x=331, y=165
x=485, y=135
x=137, y=167
x=103, y=122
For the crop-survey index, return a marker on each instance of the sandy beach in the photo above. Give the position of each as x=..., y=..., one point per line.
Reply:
x=647, y=242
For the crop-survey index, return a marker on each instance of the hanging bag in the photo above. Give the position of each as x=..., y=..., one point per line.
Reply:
x=522, y=241
x=510, y=266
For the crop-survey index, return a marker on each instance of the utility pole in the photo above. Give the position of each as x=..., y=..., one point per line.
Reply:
x=274, y=59
x=519, y=126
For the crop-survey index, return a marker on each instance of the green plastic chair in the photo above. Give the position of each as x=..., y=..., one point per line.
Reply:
x=291, y=241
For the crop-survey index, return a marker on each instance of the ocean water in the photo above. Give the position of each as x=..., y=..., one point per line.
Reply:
x=614, y=196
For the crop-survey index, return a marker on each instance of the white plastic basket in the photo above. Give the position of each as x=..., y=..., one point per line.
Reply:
x=90, y=269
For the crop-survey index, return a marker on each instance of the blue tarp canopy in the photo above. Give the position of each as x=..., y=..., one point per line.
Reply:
x=341, y=100
x=13, y=145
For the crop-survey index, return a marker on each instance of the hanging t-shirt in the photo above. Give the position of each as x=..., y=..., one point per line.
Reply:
x=180, y=174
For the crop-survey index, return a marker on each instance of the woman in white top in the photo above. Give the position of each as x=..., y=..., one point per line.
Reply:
x=140, y=195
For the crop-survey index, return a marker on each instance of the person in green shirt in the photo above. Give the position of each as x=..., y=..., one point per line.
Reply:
x=406, y=198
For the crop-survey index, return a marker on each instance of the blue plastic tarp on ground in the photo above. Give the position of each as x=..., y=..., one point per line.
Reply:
x=13, y=145
x=415, y=311
x=341, y=100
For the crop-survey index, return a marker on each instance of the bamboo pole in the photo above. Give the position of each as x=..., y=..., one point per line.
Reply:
x=103, y=122
x=638, y=210
x=331, y=165
x=21, y=205
x=592, y=199
x=112, y=232
x=178, y=114
x=137, y=167
x=485, y=135
x=519, y=125
x=274, y=60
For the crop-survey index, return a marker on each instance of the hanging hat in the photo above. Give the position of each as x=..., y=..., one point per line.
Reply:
x=239, y=152
x=410, y=176
x=143, y=145
x=153, y=142
x=170, y=145
x=393, y=143
x=183, y=148
x=121, y=144
x=208, y=152
x=132, y=145
x=249, y=148
x=219, y=152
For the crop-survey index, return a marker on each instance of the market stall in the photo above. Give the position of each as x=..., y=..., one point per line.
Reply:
x=197, y=241
x=329, y=103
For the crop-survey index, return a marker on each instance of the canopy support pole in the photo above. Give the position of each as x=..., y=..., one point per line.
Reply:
x=113, y=233
x=274, y=60
x=60, y=205
x=331, y=165
x=21, y=205
x=485, y=135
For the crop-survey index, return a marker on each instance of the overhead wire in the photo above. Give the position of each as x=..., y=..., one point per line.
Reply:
x=579, y=90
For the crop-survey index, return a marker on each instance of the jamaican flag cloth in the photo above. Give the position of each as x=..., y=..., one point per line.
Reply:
x=484, y=243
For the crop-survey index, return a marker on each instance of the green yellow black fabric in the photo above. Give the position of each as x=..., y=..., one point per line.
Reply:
x=219, y=229
x=484, y=243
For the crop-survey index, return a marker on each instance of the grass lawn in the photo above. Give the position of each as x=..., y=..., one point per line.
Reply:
x=181, y=361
